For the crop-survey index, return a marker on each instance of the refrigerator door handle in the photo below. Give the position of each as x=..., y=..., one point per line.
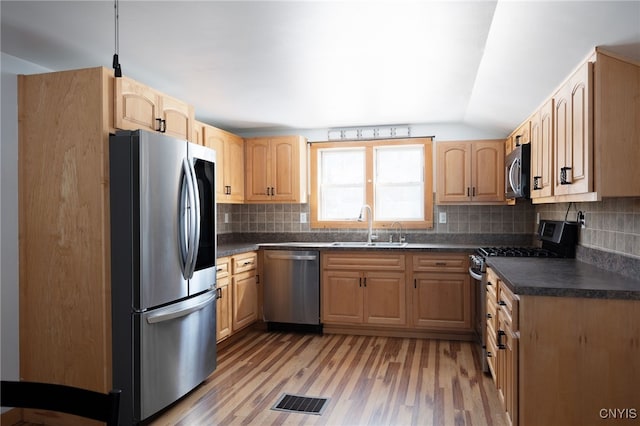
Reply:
x=172, y=312
x=196, y=214
x=187, y=218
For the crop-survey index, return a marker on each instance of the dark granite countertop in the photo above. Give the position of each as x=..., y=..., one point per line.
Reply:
x=352, y=245
x=229, y=249
x=563, y=277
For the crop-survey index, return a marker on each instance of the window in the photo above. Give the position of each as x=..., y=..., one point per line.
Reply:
x=393, y=176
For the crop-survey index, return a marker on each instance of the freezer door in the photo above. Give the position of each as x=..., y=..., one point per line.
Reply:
x=160, y=170
x=177, y=351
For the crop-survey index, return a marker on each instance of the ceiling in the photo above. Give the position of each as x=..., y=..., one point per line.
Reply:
x=328, y=64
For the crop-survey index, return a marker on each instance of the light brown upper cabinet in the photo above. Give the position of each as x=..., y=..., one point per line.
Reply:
x=276, y=169
x=585, y=137
x=519, y=137
x=229, y=163
x=470, y=172
x=138, y=106
x=573, y=134
x=542, y=152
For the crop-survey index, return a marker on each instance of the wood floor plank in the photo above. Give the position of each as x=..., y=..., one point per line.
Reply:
x=369, y=380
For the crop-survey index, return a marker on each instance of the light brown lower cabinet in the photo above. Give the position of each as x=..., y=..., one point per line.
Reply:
x=244, y=284
x=223, y=304
x=441, y=292
x=363, y=289
x=237, y=284
x=414, y=295
x=565, y=360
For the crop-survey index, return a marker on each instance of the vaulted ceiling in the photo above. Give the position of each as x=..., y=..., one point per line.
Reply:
x=321, y=64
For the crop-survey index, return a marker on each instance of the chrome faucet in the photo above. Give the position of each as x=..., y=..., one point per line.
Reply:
x=400, y=237
x=370, y=235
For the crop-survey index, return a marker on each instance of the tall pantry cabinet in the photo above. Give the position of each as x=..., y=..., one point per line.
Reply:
x=65, y=263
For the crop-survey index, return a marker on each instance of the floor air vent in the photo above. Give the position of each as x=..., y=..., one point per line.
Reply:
x=300, y=404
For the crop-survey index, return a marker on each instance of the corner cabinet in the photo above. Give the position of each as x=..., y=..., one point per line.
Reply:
x=276, y=169
x=229, y=163
x=363, y=288
x=138, y=106
x=470, y=172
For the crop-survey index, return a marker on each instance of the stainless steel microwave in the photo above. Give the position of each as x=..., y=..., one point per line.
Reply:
x=516, y=176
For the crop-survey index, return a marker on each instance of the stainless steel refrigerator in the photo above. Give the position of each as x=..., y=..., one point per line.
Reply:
x=163, y=274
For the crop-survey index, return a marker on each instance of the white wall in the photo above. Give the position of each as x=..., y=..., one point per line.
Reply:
x=9, y=349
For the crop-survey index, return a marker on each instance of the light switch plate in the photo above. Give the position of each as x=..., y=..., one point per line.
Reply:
x=442, y=217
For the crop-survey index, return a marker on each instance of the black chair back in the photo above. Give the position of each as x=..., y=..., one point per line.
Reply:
x=61, y=398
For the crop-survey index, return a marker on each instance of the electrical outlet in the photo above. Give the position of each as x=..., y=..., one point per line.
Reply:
x=442, y=217
x=226, y=218
x=581, y=220
x=303, y=218
x=538, y=218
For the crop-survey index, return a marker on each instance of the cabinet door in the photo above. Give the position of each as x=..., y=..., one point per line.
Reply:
x=384, y=298
x=453, y=172
x=542, y=152
x=234, y=168
x=177, y=116
x=442, y=301
x=573, y=134
x=214, y=139
x=285, y=169
x=136, y=106
x=487, y=172
x=257, y=184
x=245, y=300
x=223, y=306
x=342, y=297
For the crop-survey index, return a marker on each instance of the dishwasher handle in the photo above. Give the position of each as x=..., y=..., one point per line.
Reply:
x=292, y=257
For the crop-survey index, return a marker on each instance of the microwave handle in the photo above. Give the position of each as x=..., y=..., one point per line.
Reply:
x=512, y=170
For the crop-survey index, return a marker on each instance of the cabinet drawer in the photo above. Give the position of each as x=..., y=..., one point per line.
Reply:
x=508, y=305
x=245, y=262
x=492, y=285
x=363, y=261
x=441, y=263
x=492, y=356
x=223, y=267
x=492, y=313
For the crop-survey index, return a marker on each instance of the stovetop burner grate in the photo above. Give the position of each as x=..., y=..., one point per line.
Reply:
x=517, y=252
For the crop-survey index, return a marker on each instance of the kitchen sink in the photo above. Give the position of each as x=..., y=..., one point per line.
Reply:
x=365, y=244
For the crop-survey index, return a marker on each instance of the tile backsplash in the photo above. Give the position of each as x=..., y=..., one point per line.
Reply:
x=612, y=225
x=460, y=220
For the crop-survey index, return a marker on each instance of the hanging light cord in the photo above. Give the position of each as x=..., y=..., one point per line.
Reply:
x=116, y=61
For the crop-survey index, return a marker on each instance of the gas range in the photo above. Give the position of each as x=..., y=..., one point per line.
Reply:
x=558, y=239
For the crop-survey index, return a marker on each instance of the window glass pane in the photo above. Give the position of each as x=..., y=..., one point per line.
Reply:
x=341, y=203
x=395, y=202
x=341, y=183
x=342, y=166
x=399, y=164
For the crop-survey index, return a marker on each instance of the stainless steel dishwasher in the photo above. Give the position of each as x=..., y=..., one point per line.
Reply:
x=292, y=289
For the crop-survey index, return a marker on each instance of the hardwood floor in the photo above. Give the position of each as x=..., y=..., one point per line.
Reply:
x=369, y=380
